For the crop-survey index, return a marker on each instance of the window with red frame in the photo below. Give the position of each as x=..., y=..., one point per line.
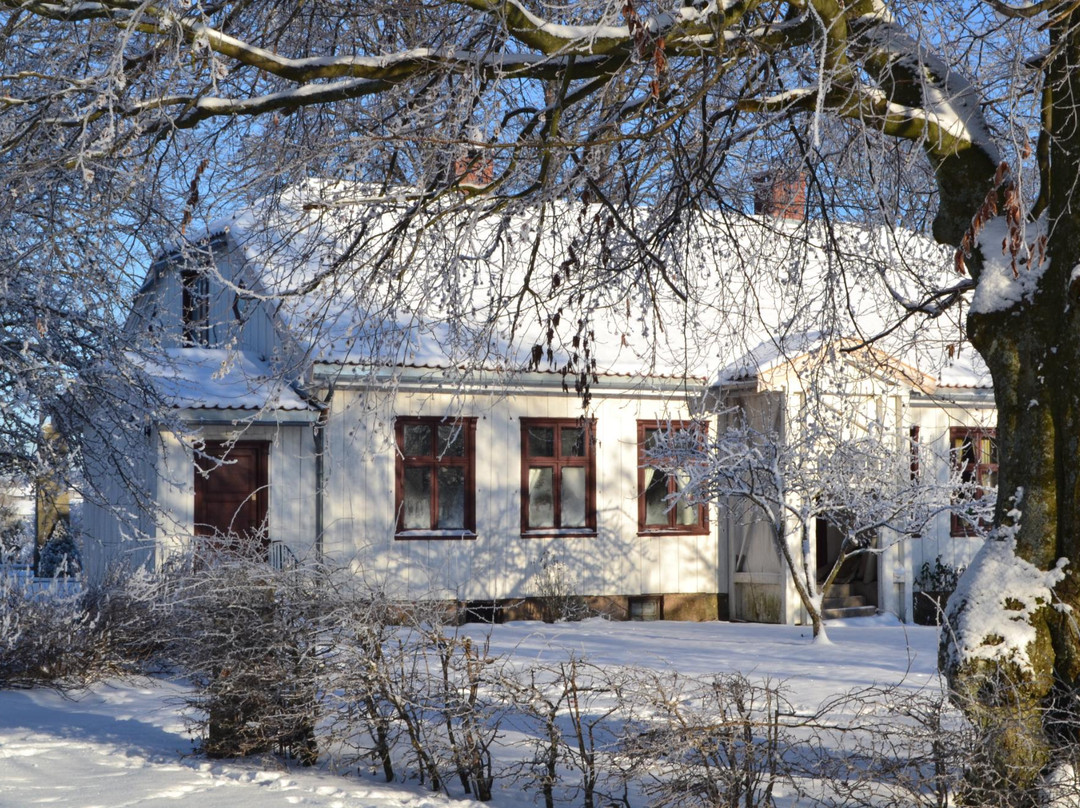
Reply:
x=558, y=476
x=657, y=488
x=436, y=472
x=974, y=455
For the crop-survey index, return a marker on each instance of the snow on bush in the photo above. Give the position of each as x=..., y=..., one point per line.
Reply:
x=44, y=633
x=557, y=593
x=60, y=634
x=16, y=542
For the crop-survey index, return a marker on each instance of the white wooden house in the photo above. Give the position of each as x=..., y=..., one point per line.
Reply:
x=433, y=438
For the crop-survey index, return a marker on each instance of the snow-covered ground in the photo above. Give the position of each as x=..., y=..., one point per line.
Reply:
x=124, y=744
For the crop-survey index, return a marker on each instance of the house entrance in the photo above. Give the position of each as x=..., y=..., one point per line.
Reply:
x=854, y=589
x=231, y=498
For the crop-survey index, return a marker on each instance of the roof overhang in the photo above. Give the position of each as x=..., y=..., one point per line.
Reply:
x=874, y=361
x=488, y=382
x=981, y=397
x=221, y=416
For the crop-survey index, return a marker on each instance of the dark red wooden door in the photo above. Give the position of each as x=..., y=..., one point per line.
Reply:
x=231, y=499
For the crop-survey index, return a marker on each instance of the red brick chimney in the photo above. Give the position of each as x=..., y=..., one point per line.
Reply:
x=782, y=195
x=476, y=168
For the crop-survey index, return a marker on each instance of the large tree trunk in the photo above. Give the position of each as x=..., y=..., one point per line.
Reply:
x=1028, y=712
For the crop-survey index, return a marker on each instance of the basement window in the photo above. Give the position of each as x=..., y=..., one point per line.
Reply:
x=646, y=608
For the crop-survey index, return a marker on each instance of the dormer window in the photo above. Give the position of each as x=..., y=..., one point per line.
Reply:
x=195, y=307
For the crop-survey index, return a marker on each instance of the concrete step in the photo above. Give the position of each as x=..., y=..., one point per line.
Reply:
x=834, y=601
x=840, y=590
x=848, y=611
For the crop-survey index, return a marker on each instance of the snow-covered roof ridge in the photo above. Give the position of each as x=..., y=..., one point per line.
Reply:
x=363, y=276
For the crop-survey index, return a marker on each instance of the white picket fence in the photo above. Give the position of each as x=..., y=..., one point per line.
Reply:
x=21, y=577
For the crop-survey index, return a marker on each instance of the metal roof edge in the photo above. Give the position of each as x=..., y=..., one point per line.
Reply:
x=484, y=381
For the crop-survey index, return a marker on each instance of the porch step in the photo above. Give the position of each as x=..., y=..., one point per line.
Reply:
x=843, y=602
x=829, y=613
x=837, y=601
x=839, y=590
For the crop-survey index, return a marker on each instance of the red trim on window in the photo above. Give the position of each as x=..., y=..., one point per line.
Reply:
x=432, y=461
x=672, y=527
x=561, y=458
x=966, y=456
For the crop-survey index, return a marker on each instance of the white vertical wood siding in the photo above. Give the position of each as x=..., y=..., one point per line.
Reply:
x=499, y=563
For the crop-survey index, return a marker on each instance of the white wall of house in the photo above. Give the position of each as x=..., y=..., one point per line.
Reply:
x=499, y=562
x=117, y=523
x=936, y=415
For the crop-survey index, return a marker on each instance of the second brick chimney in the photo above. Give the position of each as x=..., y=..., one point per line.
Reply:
x=781, y=194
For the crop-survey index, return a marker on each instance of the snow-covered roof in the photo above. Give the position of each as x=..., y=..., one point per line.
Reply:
x=356, y=280
x=966, y=370
x=769, y=355
x=217, y=378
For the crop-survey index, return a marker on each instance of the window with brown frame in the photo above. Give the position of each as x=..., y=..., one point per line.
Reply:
x=558, y=477
x=974, y=455
x=195, y=306
x=436, y=478
x=914, y=454
x=656, y=488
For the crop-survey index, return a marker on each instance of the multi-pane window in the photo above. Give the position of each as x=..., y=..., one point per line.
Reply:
x=558, y=476
x=436, y=462
x=659, y=509
x=195, y=307
x=974, y=455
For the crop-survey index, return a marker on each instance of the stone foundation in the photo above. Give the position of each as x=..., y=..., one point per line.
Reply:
x=696, y=607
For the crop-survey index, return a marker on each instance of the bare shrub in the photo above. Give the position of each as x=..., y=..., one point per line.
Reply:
x=45, y=635
x=16, y=541
x=413, y=695
x=362, y=720
x=572, y=712
x=540, y=701
x=59, y=634
x=125, y=619
x=470, y=715
x=885, y=747
x=559, y=598
x=716, y=742
x=250, y=639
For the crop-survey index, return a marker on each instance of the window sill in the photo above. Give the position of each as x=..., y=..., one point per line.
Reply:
x=408, y=535
x=553, y=533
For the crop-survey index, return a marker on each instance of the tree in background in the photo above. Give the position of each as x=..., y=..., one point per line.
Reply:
x=123, y=125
